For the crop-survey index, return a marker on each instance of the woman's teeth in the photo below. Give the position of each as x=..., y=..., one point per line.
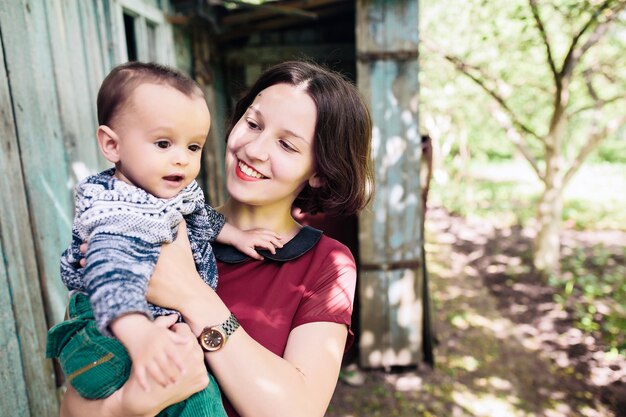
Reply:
x=249, y=171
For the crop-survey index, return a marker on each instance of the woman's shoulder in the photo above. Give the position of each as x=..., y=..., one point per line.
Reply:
x=316, y=244
x=332, y=257
x=328, y=244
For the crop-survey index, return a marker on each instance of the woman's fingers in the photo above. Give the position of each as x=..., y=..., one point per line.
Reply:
x=166, y=321
x=142, y=378
x=157, y=374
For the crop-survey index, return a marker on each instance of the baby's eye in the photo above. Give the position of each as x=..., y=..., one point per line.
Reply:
x=195, y=148
x=163, y=144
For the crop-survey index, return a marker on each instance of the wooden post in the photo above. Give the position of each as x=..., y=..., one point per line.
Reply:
x=390, y=238
x=209, y=76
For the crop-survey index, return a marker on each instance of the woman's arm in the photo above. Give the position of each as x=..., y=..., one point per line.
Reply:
x=257, y=382
x=131, y=400
x=301, y=383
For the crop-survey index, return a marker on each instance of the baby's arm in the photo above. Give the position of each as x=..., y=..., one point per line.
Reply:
x=151, y=349
x=247, y=240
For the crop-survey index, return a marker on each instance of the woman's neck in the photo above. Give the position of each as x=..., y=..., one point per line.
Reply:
x=254, y=217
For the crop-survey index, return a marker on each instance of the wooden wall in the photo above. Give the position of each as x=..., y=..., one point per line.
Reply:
x=54, y=56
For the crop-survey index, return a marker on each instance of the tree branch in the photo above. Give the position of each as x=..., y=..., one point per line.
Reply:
x=513, y=134
x=609, y=8
x=546, y=42
x=575, y=52
x=599, y=103
x=595, y=138
x=466, y=70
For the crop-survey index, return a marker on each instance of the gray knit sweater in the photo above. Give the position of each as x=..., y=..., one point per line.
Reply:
x=125, y=227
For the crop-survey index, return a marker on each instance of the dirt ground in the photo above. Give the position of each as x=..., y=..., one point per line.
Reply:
x=504, y=348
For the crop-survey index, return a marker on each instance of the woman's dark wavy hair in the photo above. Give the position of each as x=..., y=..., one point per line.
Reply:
x=342, y=141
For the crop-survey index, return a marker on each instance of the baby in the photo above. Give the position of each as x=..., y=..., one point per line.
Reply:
x=153, y=124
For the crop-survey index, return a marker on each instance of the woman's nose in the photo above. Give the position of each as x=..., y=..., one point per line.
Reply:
x=257, y=148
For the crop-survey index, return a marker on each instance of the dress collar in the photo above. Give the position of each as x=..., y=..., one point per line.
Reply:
x=301, y=243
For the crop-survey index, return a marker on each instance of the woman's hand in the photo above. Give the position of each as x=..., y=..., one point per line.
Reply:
x=131, y=400
x=175, y=279
x=134, y=398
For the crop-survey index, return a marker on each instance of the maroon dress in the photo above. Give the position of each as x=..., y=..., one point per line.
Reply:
x=311, y=279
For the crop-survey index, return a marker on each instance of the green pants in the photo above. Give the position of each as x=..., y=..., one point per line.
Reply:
x=97, y=365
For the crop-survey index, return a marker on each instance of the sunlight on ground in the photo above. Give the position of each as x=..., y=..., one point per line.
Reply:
x=487, y=405
x=503, y=404
x=499, y=326
x=468, y=363
x=495, y=383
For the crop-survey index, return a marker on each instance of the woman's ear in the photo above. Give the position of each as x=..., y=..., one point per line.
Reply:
x=315, y=181
x=108, y=141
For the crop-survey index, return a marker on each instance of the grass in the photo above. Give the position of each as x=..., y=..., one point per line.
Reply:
x=593, y=200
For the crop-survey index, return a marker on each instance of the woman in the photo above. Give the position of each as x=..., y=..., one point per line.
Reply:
x=299, y=138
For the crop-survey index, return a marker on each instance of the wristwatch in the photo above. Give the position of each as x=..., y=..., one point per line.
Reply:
x=212, y=338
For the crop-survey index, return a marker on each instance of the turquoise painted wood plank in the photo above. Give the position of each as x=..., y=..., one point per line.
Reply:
x=28, y=379
x=391, y=314
x=374, y=320
x=390, y=25
x=391, y=229
x=29, y=62
x=92, y=65
x=84, y=157
x=405, y=317
x=13, y=396
x=398, y=154
x=388, y=78
x=105, y=29
x=71, y=105
x=96, y=45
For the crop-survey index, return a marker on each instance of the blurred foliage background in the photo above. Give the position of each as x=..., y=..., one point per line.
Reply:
x=527, y=97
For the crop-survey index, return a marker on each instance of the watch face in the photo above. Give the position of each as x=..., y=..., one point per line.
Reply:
x=212, y=339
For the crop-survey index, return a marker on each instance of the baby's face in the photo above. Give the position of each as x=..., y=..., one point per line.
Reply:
x=161, y=134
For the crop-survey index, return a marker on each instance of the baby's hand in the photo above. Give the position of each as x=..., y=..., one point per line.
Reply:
x=257, y=238
x=152, y=349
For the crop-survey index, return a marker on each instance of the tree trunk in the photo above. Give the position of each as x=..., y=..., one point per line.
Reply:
x=547, y=245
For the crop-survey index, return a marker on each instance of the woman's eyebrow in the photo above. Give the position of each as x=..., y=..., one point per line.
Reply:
x=287, y=131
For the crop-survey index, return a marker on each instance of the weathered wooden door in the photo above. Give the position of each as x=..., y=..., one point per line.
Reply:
x=391, y=241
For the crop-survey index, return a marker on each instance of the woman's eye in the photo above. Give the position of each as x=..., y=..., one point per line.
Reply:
x=195, y=148
x=163, y=144
x=285, y=145
x=252, y=124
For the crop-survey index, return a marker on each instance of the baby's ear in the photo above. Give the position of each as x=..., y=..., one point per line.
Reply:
x=315, y=181
x=108, y=141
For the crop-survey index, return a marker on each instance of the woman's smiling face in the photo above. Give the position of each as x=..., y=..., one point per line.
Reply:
x=269, y=154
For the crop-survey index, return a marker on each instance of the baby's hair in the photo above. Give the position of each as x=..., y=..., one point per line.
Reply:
x=118, y=86
x=343, y=133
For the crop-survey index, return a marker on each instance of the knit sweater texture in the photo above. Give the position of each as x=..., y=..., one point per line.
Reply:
x=125, y=227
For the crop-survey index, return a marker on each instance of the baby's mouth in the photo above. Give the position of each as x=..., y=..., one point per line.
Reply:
x=174, y=178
